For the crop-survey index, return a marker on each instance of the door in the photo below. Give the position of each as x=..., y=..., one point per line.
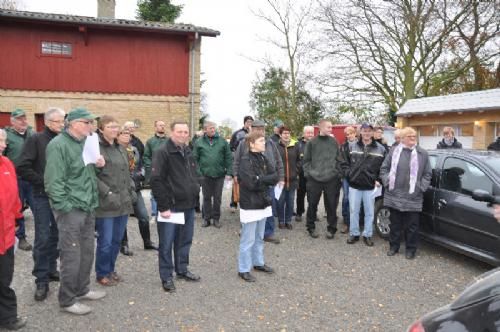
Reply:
x=459, y=217
x=427, y=215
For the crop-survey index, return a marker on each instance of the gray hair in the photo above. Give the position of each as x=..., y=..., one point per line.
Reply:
x=3, y=133
x=129, y=124
x=207, y=124
x=51, y=111
x=308, y=128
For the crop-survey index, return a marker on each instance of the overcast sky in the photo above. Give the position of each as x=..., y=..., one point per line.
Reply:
x=226, y=59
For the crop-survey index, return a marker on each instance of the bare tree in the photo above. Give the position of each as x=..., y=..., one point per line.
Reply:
x=290, y=21
x=385, y=50
x=10, y=4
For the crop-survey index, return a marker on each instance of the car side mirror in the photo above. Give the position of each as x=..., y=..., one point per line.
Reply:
x=484, y=196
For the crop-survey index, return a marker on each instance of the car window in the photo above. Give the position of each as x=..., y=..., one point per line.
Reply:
x=464, y=177
x=433, y=161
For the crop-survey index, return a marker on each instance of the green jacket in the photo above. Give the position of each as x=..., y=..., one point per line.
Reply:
x=15, y=143
x=116, y=188
x=322, y=159
x=151, y=145
x=68, y=182
x=213, y=159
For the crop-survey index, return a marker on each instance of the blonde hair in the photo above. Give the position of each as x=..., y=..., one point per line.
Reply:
x=448, y=130
x=349, y=130
x=407, y=131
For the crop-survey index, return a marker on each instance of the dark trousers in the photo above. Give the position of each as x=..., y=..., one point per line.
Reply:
x=331, y=190
x=212, y=195
x=45, y=252
x=408, y=223
x=8, y=302
x=26, y=196
x=301, y=195
x=76, y=245
x=269, y=229
x=179, y=239
x=345, y=201
x=141, y=213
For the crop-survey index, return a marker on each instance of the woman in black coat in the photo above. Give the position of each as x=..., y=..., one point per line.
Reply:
x=256, y=175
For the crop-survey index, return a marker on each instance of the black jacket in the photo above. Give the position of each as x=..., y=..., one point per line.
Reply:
x=135, y=141
x=362, y=164
x=31, y=166
x=291, y=162
x=442, y=145
x=237, y=137
x=173, y=177
x=301, y=145
x=256, y=175
x=495, y=146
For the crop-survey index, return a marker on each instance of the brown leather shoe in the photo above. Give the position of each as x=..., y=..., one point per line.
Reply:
x=344, y=229
x=105, y=281
x=281, y=226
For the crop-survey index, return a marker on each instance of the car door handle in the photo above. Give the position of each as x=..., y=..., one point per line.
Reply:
x=442, y=202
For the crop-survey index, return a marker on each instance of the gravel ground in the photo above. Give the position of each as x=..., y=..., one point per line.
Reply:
x=319, y=285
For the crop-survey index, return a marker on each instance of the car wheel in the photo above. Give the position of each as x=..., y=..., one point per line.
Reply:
x=382, y=222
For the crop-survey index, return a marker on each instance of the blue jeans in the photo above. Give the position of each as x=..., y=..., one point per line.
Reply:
x=154, y=206
x=176, y=237
x=45, y=252
x=269, y=230
x=110, y=234
x=356, y=197
x=25, y=195
x=345, y=201
x=251, y=245
x=285, y=206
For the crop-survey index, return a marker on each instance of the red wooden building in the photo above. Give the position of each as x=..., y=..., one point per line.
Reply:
x=134, y=70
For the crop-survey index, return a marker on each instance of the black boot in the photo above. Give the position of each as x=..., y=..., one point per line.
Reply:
x=124, y=247
x=146, y=236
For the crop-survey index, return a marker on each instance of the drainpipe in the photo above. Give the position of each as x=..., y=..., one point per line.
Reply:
x=193, y=57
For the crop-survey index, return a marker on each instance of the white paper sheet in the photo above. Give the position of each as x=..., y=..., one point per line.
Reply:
x=277, y=191
x=91, y=151
x=247, y=216
x=377, y=191
x=175, y=218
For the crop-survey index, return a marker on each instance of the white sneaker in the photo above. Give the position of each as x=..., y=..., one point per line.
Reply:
x=77, y=309
x=92, y=295
x=152, y=221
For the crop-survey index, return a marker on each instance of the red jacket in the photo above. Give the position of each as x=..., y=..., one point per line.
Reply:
x=10, y=205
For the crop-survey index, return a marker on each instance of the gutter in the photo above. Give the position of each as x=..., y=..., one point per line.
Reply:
x=193, y=56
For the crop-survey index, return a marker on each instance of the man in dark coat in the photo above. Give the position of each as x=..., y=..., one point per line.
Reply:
x=174, y=183
x=31, y=168
x=449, y=141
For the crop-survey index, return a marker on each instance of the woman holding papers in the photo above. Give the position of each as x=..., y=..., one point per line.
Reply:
x=256, y=175
x=406, y=174
x=116, y=190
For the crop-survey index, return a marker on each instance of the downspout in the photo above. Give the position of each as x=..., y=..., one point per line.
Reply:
x=193, y=56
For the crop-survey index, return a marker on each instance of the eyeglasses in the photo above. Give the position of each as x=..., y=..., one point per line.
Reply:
x=411, y=136
x=57, y=121
x=86, y=122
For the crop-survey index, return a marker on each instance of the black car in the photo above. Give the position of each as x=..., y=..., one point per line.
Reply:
x=451, y=216
x=476, y=309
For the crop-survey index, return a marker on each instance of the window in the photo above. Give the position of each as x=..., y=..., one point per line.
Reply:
x=466, y=130
x=433, y=160
x=427, y=131
x=463, y=177
x=57, y=48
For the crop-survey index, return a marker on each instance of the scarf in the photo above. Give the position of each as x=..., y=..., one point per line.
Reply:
x=413, y=167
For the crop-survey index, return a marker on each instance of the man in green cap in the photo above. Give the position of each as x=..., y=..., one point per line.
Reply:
x=72, y=189
x=17, y=135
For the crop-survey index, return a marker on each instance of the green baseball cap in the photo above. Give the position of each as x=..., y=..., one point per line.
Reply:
x=79, y=113
x=278, y=123
x=17, y=113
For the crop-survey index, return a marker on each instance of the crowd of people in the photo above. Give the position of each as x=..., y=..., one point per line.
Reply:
x=74, y=202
